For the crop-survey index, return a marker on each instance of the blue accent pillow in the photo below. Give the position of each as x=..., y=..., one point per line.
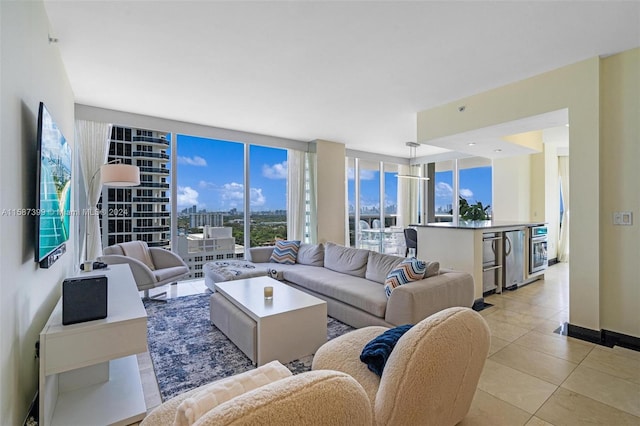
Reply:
x=376, y=353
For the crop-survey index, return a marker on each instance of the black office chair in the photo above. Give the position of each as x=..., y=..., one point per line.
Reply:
x=410, y=240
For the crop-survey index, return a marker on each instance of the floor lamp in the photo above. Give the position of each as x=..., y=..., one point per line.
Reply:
x=113, y=174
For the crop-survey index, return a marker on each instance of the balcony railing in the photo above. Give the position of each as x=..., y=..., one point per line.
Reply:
x=154, y=170
x=147, y=154
x=160, y=243
x=144, y=184
x=151, y=214
x=151, y=228
x=150, y=139
x=150, y=199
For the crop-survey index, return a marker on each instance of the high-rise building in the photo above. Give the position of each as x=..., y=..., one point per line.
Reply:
x=206, y=219
x=142, y=212
x=215, y=243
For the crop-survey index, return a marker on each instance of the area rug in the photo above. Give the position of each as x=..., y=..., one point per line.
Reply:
x=187, y=351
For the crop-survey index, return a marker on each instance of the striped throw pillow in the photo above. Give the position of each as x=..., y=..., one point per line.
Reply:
x=285, y=252
x=407, y=271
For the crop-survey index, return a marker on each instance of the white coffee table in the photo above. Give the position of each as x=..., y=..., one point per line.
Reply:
x=290, y=326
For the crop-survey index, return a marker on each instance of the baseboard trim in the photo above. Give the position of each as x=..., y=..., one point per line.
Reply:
x=553, y=261
x=480, y=304
x=612, y=338
x=585, y=334
x=603, y=337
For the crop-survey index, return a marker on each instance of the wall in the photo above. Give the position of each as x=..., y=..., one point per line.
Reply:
x=32, y=71
x=619, y=178
x=551, y=199
x=331, y=191
x=575, y=87
x=511, y=183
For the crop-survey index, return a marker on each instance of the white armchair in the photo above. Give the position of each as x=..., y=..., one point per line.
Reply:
x=151, y=267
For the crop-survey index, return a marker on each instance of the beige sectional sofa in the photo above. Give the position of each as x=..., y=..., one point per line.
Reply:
x=351, y=281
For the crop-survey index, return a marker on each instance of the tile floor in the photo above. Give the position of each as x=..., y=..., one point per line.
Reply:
x=532, y=376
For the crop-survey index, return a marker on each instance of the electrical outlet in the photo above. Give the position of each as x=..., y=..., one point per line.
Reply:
x=623, y=218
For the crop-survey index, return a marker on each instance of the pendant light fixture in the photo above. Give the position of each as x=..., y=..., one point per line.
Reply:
x=412, y=153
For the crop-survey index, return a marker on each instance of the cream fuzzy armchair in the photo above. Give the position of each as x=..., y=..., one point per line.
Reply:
x=315, y=398
x=151, y=267
x=429, y=378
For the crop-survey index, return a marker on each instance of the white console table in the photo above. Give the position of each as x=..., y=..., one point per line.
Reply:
x=88, y=371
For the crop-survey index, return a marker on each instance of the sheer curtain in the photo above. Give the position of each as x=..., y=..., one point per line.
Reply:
x=296, y=214
x=301, y=196
x=312, y=206
x=563, y=244
x=93, y=141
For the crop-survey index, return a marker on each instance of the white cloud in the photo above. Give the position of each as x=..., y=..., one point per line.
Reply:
x=232, y=194
x=466, y=193
x=257, y=198
x=277, y=171
x=195, y=161
x=187, y=196
x=444, y=190
x=365, y=174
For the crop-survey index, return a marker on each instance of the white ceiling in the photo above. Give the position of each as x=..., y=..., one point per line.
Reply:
x=350, y=72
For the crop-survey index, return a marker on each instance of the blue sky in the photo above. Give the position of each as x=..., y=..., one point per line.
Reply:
x=210, y=175
x=475, y=185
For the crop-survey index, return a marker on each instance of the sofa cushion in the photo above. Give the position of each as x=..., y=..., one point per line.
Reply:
x=346, y=259
x=168, y=273
x=358, y=292
x=433, y=268
x=379, y=265
x=285, y=252
x=311, y=254
x=407, y=271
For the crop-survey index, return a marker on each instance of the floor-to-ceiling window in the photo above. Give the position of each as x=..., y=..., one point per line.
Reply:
x=210, y=201
x=474, y=186
x=268, y=199
x=444, y=193
x=372, y=199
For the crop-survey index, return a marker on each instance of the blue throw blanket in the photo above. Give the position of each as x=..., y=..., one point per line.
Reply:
x=376, y=353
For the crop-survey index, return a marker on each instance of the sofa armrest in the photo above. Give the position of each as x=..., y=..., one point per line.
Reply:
x=142, y=275
x=165, y=259
x=260, y=254
x=410, y=303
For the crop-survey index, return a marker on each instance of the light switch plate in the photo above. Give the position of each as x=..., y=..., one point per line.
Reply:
x=623, y=218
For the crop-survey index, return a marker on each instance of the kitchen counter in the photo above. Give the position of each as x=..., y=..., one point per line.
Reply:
x=460, y=246
x=480, y=224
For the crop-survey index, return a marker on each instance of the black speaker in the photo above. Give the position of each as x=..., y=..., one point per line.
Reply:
x=84, y=299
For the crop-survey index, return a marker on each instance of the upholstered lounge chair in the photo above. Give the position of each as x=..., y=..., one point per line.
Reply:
x=429, y=378
x=151, y=267
x=315, y=398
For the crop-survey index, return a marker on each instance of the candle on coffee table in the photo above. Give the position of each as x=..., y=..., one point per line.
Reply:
x=268, y=292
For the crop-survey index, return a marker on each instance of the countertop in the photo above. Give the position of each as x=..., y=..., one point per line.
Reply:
x=480, y=224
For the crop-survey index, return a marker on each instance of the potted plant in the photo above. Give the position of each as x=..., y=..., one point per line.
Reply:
x=473, y=211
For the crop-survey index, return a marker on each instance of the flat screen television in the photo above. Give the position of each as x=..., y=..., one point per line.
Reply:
x=53, y=193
